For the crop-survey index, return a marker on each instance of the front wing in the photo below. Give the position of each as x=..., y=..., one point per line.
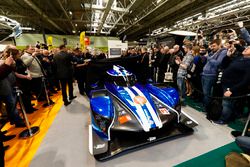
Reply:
x=125, y=141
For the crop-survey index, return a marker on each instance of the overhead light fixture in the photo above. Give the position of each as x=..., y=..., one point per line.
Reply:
x=27, y=28
x=82, y=5
x=76, y=25
x=70, y=12
x=158, y=1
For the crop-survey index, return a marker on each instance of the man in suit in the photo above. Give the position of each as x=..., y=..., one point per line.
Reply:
x=64, y=72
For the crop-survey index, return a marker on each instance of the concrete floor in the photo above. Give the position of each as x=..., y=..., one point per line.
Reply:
x=66, y=143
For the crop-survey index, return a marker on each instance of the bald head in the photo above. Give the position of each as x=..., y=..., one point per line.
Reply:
x=171, y=51
x=166, y=49
x=176, y=48
x=45, y=52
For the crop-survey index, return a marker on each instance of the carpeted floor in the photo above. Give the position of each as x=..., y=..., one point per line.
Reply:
x=238, y=124
x=214, y=158
x=195, y=105
x=21, y=151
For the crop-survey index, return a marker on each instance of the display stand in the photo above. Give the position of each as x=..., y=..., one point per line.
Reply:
x=30, y=131
x=246, y=126
x=49, y=102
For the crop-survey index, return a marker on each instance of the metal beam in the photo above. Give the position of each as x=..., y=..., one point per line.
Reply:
x=64, y=20
x=146, y=13
x=162, y=15
x=183, y=16
x=121, y=16
x=105, y=15
x=96, y=7
x=5, y=25
x=66, y=14
x=25, y=13
x=39, y=11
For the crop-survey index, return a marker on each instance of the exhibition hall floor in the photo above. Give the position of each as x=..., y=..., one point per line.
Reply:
x=66, y=142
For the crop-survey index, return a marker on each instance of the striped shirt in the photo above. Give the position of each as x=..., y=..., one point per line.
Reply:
x=187, y=60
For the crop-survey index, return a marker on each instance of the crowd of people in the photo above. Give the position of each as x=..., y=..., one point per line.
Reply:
x=40, y=73
x=219, y=70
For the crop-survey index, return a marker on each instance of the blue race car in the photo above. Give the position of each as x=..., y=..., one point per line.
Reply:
x=126, y=115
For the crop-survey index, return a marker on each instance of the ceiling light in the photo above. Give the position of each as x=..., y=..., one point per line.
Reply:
x=76, y=25
x=27, y=28
x=82, y=5
x=70, y=12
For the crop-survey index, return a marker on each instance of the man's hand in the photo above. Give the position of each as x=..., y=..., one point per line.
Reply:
x=231, y=51
x=228, y=93
x=240, y=24
x=9, y=61
x=28, y=77
x=34, y=54
x=177, y=61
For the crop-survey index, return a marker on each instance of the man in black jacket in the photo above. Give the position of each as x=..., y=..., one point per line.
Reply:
x=163, y=64
x=143, y=70
x=235, y=82
x=5, y=70
x=64, y=72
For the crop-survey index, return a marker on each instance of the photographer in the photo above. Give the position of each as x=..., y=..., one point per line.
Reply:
x=5, y=70
x=6, y=90
x=235, y=81
x=210, y=70
x=234, y=51
x=182, y=70
x=244, y=32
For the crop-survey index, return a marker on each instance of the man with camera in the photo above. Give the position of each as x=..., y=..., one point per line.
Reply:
x=6, y=88
x=210, y=70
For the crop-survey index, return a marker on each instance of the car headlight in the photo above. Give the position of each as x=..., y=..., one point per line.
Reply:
x=102, y=122
x=124, y=117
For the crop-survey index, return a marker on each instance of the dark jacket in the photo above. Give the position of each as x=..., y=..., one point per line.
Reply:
x=7, y=81
x=228, y=59
x=237, y=76
x=163, y=63
x=64, y=67
x=7, y=84
x=5, y=70
x=143, y=70
x=245, y=35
